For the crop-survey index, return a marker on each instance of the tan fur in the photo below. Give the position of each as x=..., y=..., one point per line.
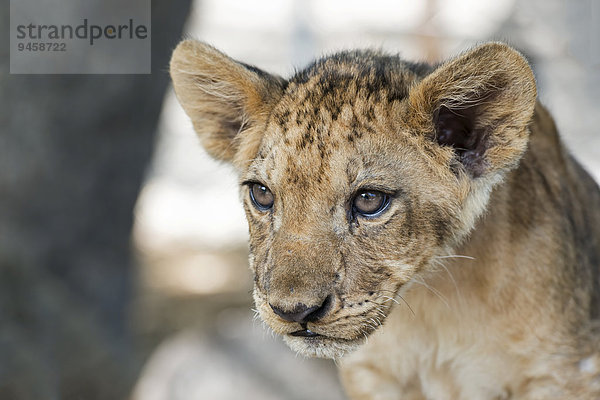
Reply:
x=479, y=281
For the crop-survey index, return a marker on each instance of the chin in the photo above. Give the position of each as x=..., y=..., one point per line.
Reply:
x=322, y=346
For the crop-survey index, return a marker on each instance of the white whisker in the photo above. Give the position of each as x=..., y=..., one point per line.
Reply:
x=408, y=305
x=390, y=299
x=441, y=264
x=456, y=256
x=433, y=290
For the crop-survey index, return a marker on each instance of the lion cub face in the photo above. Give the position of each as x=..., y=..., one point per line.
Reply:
x=356, y=174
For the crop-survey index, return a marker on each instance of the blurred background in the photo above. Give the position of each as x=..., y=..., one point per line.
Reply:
x=123, y=270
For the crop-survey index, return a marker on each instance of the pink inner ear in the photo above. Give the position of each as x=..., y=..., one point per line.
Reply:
x=456, y=129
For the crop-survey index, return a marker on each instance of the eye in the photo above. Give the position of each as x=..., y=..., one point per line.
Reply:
x=261, y=196
x=370, y=203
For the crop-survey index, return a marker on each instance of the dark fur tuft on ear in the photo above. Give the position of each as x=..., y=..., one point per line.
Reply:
x=480, y=104
x=225, y=99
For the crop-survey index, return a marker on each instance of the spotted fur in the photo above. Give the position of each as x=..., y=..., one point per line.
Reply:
x=478, y=281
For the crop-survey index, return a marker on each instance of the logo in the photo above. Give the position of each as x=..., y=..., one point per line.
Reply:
x=83, y=31
x=80, y=37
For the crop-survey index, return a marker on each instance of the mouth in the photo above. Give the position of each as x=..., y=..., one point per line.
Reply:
x=312, y=344
x=304, y=332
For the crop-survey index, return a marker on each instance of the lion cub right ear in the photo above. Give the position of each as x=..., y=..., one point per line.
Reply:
x=480, y=104
x=225, y=99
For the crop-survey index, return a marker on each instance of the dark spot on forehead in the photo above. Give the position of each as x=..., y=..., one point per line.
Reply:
x=282, y=117
x=370, y=113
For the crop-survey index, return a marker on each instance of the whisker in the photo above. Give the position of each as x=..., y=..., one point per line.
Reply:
x=390, y=299
x=408, y=305
x=441, y=264
x=421, y=281
x=455, y=256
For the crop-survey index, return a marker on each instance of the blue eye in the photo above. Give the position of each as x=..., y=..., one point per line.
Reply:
x=370, y=203
x=261, y=196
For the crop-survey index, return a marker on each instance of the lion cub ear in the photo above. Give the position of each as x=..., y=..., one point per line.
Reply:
x=479, y=103
x=224, y=98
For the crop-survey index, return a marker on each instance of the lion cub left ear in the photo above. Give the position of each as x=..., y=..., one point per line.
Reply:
x=480, y=104
x=225, y=99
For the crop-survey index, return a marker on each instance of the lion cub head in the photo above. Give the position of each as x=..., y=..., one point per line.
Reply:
x=356, y=173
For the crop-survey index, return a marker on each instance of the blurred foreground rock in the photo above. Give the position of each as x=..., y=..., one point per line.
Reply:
x=73, y=152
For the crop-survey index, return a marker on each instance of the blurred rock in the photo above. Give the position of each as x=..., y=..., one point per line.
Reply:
x=73, y=152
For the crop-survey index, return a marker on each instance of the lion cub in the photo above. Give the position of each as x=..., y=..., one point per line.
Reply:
x=422, y=224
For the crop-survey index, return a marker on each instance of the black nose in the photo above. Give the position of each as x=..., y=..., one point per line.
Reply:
x=303, y=313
